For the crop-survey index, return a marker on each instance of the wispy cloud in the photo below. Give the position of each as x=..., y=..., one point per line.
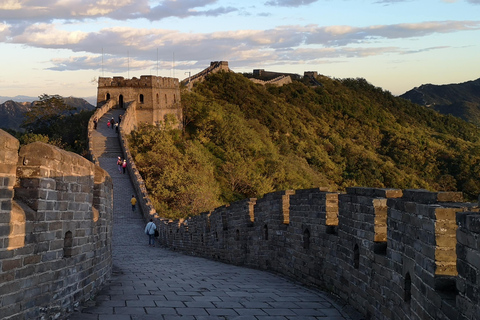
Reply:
x=286, y=43
x=16, y=11
x=289, y=3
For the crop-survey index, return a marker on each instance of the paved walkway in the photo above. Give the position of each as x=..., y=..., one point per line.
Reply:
x=155, y=283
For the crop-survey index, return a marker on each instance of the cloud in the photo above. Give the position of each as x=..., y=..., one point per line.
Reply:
x=47, y=36
x=344, y=35
x=282, y=44
x=16, y=11
x=289, y=3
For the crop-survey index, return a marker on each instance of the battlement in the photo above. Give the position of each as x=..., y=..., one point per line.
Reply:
x=55, y=229
x=390, y=253
x=144, y=82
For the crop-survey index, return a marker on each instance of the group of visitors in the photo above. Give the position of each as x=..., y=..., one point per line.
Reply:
x=110, y=123
x=121, y=165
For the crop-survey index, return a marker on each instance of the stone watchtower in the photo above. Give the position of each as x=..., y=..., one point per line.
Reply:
x=154, y=97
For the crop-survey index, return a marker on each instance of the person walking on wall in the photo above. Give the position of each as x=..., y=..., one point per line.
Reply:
x=133, y=201
x=112, y=123
x=108, y=123
x=119, y=164
x=150, y=231
x=124, y=165
x=95, y=122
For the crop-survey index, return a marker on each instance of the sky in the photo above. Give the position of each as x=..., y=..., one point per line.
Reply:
x=63, y=46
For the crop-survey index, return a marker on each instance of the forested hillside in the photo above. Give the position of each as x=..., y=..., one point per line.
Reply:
x=52, y=119
x=245, y=140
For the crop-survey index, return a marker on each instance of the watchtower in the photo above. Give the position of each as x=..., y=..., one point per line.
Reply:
x=154, y=97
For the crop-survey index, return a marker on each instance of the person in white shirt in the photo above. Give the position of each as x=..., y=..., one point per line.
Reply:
x=150, y=231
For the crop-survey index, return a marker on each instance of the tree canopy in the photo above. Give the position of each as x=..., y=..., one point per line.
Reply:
x=245, y=140
x=53, y=121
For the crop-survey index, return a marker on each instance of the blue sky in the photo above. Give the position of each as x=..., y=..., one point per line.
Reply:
x=63, y=46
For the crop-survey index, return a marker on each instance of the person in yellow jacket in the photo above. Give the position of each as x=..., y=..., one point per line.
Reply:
x=133, y=201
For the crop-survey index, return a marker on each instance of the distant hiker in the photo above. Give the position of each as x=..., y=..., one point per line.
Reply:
x=133, y=201
x=116, y=127
x=112, y=123
x=150, y=231
x=108, y=124
x=95, y=122
x=124, y=165
x=119, y=164
x=119, y=118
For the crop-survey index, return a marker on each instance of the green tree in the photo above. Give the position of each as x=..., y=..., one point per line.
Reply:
x=45, y=112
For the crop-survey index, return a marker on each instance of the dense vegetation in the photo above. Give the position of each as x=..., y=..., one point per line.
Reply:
x=52, y=120
x=244, y=140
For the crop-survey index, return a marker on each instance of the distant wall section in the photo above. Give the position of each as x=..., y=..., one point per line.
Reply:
x=215, y=66
x=156, y=97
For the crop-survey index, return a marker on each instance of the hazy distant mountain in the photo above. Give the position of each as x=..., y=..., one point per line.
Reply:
x=12, y=112
x=460, y=100
x=18, y=99
x=92, y=100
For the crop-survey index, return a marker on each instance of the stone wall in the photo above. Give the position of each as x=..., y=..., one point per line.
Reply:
x=468, y=264
x=55, y=230
x=156, y=97
x=215, y=66
x=129, y=124
x=391, y=254
x=278, y=82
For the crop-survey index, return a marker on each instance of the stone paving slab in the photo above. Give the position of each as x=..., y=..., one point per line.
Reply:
x=155, y=283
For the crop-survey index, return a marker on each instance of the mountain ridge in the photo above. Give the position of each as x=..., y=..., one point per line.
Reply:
x=12, y=113
x=461, y=100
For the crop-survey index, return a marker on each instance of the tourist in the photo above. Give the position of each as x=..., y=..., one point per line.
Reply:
x=119, y=164
x=124, y=166
x=133, y=201
x=108, y=124
x=95, y=122
x=112, y=123
x=150, y=231
x=119, y=118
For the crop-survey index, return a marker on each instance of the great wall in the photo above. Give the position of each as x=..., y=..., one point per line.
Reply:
x=391, y=254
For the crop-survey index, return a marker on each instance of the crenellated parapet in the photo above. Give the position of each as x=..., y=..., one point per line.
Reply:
x=55, y=230
x=390, y=253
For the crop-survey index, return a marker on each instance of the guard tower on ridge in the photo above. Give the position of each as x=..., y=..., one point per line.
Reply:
x=153, y=97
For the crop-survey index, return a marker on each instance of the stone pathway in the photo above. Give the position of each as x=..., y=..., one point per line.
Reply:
x=155, y=283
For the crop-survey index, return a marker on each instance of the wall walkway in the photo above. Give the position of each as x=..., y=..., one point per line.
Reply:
x=156, y=283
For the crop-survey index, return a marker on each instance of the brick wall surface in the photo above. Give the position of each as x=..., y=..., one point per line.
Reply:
x=55, y=230
x=392, y=254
